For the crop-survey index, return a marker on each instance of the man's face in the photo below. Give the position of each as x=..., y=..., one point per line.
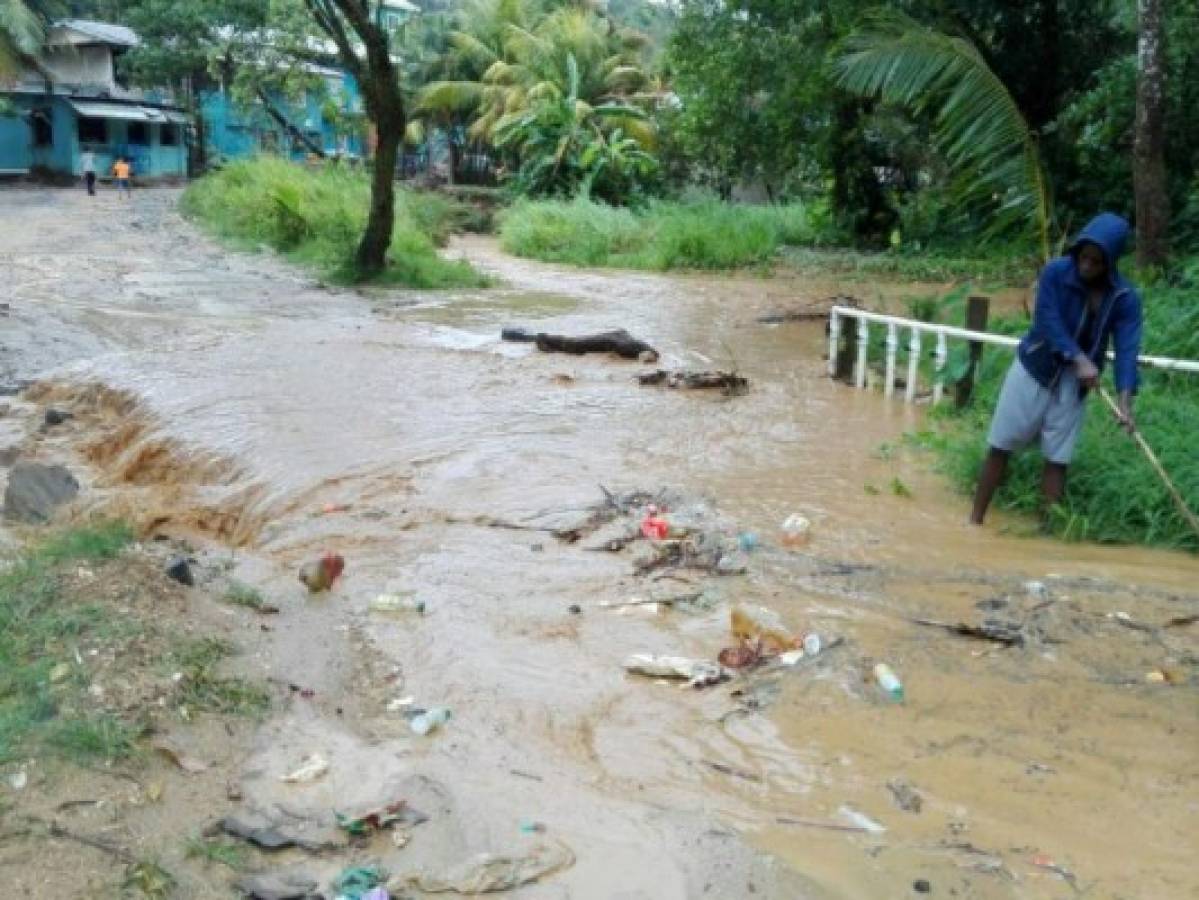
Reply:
x=1092, y=266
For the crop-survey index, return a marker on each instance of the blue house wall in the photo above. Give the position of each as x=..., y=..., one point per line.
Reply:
x=151, y=158
x=233, y=131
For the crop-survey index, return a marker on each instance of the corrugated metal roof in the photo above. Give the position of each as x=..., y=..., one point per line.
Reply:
x=96, y=110
x=103, y=32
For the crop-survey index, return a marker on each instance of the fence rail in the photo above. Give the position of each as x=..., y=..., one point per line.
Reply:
x=942, y=334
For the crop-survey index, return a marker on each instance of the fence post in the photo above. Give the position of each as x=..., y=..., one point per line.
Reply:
x=909, y=394
x=942, y=354
x=977, y=310
x=863, y=346
x=847, y=354
x=834, y=342
x=892, y=347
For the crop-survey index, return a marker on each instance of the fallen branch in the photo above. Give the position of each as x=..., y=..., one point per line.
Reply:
x=730, y=383
x=999, y=634
x=619, y=342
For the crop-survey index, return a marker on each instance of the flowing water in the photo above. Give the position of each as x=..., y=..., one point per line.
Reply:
x=230, y=399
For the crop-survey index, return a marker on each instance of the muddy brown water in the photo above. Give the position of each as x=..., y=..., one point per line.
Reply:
x=240, y=397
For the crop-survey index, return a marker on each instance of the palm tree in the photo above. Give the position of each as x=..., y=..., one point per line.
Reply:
x=977, y=125
x=509, y=56
x=22, y=29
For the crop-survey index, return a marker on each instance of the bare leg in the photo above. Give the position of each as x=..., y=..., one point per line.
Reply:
x=1053, y=484
x=988, y=481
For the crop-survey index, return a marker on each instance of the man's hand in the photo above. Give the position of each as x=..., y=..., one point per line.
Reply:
x=1124, y=414
x=1088, y=375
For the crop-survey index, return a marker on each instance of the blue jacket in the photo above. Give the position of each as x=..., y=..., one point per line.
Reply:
x=1052, y=342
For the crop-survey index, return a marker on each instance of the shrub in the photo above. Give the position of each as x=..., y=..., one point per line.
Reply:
x=316, y=216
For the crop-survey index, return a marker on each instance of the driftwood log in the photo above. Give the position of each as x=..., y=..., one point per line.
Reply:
x=619, y=342
x=730, y=383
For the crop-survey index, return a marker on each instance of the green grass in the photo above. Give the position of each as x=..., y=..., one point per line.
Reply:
x=239, y=594
x=995, y=266
x=1113, y=495
x=203, y=689
x=316, y=217
x=662, y=236
x=148, y=879
x=38, y=632
x=218, y=850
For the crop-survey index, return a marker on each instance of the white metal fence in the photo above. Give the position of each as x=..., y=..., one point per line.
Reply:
x=942, y=333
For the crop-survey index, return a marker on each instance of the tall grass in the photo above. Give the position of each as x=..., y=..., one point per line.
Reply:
x=1113, y=495
x=316, y=217
x=664, y=235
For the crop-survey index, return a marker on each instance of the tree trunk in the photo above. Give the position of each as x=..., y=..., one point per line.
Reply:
x=372, y=249
x=1149, y=147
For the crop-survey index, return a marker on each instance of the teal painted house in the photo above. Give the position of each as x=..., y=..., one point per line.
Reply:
x=81, y=106
x=233, y=131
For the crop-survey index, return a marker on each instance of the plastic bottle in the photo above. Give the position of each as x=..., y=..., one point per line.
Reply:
x=889, y=682
x=430, y=720
x=797, y=530
x=397, y=603
x=811, y=644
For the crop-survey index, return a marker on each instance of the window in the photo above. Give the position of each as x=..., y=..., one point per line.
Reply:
x=93, y=131
x=43, y=129
x=168, y=135
x=139, y=133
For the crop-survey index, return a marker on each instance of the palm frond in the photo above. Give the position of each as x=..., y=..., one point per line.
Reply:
x=977, y=124
x=450, y=96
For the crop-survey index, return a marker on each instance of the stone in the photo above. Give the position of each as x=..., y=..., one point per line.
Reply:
x=179, y=569
x=57, y=417
x=922, y=886
x=280, y=885
x=35, y=490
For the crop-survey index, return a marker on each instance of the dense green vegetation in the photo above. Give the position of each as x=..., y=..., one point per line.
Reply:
x=1113, y=495
x=661, y=235
x=316, y=215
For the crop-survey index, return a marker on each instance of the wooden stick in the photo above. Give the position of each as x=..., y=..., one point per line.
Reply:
x=1157, y=466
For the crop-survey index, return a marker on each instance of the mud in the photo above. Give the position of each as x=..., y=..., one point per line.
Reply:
x=228, y=399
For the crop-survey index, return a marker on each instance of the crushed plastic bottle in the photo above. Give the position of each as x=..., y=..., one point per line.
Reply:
x=430, y=720
x=397, y=603
x=797, y=530
x=889, y=682
x=750, y=624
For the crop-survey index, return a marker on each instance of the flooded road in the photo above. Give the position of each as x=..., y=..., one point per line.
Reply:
x=232, y=399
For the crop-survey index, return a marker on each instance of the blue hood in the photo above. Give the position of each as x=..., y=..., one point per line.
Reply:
x=1109, y=232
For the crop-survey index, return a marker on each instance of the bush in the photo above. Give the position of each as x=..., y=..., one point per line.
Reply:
x=1113, y=494
x=317, y=217
x=664, y=235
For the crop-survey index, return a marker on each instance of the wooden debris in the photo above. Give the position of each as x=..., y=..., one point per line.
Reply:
x=619, y=342
x=730, y=383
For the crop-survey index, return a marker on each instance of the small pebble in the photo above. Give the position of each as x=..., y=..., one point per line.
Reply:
x=575, y=609
x=922, y=886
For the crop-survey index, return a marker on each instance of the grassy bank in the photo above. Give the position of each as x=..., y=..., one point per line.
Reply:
x=77, y=620
x=316, y=217
x=1113, y=495
x=704, y=235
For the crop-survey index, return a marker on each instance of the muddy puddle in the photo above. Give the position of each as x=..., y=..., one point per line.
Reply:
x=241, y=412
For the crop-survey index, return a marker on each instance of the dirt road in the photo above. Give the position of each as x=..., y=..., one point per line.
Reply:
x=241, y=400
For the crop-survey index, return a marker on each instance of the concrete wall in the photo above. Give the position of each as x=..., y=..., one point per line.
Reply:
x=81, y=65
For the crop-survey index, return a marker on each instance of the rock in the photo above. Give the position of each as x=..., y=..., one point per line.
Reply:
x=268, y=835
x=922, y=886
x=732, y=564
x=906, y=797
x=57, y=417
x=575, y=609
x=179, y=569
x=36, y=490
x=280, y=885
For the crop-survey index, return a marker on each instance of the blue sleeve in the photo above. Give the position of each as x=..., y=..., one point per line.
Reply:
x=1127, y=338
x=1047, y=315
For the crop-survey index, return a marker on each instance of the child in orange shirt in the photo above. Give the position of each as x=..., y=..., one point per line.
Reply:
x=121, y=169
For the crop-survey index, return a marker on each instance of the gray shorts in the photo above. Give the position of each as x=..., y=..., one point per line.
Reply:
x=1027, y=410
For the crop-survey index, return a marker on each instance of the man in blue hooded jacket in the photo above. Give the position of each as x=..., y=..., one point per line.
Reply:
x=1083, y=303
